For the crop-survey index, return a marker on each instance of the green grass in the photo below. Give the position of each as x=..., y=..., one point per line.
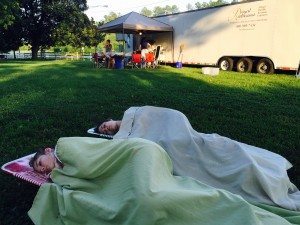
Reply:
x=41, y=101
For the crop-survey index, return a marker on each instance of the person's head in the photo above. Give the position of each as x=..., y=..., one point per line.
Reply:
x=110, y=127
x=43, y=161
x=108, y=41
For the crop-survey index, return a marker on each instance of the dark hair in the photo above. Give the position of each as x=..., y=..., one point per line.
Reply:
x=96, y=130
x=108, y=40
x=38, y=153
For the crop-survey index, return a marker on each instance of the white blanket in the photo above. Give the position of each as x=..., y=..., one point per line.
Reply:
x=256, y=174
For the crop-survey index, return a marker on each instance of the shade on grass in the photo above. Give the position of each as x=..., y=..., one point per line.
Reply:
x=41, y=101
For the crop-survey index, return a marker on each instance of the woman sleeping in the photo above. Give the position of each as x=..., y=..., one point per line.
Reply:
x=258, y=175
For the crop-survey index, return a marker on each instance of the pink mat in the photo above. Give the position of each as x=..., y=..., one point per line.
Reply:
x=20, y=168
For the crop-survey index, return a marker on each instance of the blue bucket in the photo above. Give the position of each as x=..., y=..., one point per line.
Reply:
x=119, y=63
x=178, y=65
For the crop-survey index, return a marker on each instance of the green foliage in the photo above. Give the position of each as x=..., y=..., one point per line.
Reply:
x=146, y=12
x=40, y=19
x=56, y=49
x=157, y=11
x=111, y=16
x=8, y=9
x=78, y=33
x=10, y=36
x=211, y=3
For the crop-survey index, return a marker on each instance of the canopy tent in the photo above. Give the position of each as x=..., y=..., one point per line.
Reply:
x=135, y=23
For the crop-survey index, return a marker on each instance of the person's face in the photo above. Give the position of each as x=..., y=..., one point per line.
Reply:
x=45, y=163
x=109, y=127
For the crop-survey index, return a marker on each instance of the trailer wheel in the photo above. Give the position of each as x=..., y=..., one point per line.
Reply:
x=244, y=65
x=265, y=66
x=226, y=63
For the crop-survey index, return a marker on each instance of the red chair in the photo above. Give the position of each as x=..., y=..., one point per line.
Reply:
x=136, y=60
x=150, y=58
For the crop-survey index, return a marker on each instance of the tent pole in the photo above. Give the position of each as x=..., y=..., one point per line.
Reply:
x=173, y=46
x=123, y=48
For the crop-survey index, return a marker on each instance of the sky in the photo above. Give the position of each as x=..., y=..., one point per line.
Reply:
x=99, y=8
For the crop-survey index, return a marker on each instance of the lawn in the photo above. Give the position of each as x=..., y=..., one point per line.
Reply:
x=44, y=100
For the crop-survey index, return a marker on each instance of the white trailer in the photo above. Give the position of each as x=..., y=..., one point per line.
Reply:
x=257, y=36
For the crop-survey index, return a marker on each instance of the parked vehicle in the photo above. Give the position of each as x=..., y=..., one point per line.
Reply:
x=258, y=36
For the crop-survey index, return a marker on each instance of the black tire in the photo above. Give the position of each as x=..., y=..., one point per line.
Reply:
x=244, y=65
x=226, y=63
x=265, y=66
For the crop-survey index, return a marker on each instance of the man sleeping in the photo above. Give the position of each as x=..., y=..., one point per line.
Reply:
x=256, y=174
x=98, y=181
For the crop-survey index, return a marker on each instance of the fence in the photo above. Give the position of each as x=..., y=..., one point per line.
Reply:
x=46, y=55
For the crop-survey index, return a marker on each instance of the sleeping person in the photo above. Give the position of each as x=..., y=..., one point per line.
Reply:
x=45, y=160
x=99, y=181
x=110, y=127
x=258, y=175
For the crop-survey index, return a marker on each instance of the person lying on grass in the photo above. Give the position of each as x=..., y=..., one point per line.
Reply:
x=110, y=127
x=45, y=160
x=130, y=181
x=255, y=173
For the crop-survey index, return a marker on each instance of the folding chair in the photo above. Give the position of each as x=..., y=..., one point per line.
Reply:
x=106, y=136
x=157, y=54
x=102, y=61
x=149, y=60
x=95, y=59
x=136, y=60
x=20, y=168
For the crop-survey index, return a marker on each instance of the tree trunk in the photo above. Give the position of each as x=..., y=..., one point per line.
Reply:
x=15, y=54
x=34, y=52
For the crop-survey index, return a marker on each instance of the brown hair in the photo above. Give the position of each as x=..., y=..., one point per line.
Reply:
x=38, y=153
x=96, y=130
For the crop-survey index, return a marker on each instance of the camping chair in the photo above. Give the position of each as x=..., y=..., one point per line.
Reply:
x=95, y=60
x=98, y=60
x=102, y=61
x=20, y=168
x=92, y=131
x=149, y=60
x=157, y=54
x=136, y=60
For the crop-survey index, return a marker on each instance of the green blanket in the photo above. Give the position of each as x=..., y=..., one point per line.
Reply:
x=131, y=182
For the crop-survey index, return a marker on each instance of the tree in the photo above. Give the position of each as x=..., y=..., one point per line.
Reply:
x=10, y=34
x=93, y=35
x=157, y=11
x=8, y=10
x=39, y=19
x=171, y=9
x=11, y=38
x=111, y=16
x=146, y=12
x=211, y=3
x=80, y=34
